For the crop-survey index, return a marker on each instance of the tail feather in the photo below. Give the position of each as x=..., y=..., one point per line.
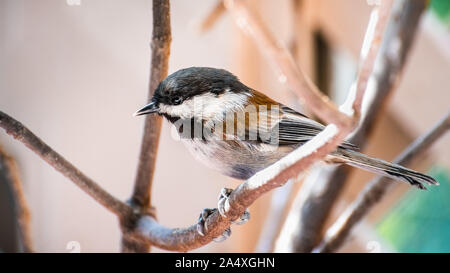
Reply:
x=385, y=168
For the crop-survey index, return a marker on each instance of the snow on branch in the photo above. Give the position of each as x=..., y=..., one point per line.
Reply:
x=319, y=197
x=376, y=189
x=138, y=224
x=290, y=166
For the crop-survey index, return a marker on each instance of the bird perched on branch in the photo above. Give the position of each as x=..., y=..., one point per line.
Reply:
x=240, y=131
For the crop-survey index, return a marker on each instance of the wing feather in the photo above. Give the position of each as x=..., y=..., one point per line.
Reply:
x=288, y=127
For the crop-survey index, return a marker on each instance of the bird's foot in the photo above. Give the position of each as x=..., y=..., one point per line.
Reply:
x=202, y=228
x=223, y=206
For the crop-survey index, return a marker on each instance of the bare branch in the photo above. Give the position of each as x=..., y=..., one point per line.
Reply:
x=160, y=45
x=243, y=196
x=24, y=135
x=275, y=175
x=376, y=189
x=141, y=199
x=313, y=205
x=213, y=16
x=280, y=56
x=274, y=218
x=9, y=167
x=138, y=226
x=372, y=40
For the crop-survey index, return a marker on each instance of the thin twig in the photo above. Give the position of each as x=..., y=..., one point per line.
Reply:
x=274, y=218
x=314, y=202
x=212, y=17
x=376, y=189
x=243, y=196
x=9, y=168
x=160, y=45
x=275, y=175
x=252, y=24
x=372, y=40
x=24, y=135
x=141, y=199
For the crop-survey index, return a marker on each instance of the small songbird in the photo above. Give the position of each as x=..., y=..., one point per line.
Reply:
x=240, y=131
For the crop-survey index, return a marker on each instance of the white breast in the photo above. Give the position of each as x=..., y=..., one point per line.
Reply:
x=239, y=161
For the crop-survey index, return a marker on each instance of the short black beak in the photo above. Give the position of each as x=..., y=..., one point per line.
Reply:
x=150, y=108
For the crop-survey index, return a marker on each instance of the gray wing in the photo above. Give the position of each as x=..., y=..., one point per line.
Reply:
x=295, y=128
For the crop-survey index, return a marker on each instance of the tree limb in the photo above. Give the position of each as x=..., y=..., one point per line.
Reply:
x=321, y=105
x=242, y=197
x=137, y=222
x=9, y=167
x=213, y=16
x=372, y=40
x=141, y=199
x=277, y=174
x=274, y=217
x=160, y=45
x=376, y=189
x=312, y=207
x=24, y=135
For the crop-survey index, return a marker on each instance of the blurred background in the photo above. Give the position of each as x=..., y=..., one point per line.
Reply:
x=74, y=71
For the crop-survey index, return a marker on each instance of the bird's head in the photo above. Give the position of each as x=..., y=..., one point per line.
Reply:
x=197, y=92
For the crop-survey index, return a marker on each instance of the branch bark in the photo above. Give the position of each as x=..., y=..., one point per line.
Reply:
x=139, y=227
x=242, y=197
x=24, y=135
x=305, y=222
x=9, y=167
x=274, y=218
x=280, y=172
x=141, y=198
x=160, y=46
x=321, y=105
x=376, y=189
x=372, y=40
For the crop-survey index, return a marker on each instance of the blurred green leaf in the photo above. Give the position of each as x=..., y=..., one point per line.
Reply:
x=442, y=9
x=420, y=222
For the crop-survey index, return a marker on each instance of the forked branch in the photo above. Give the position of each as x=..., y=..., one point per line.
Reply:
x=277, y=174
x=34, y=143
x=376, y=189
x=302, y=235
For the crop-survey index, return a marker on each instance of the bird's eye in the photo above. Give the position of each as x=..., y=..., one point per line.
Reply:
x=176, y=100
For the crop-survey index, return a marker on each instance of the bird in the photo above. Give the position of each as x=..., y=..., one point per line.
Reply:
x=239, y=131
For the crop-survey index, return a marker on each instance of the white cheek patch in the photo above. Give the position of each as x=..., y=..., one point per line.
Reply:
x=183, y=110
x=207, y=106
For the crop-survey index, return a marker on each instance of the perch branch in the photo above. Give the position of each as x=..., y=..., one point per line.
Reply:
x=242, y=197
x=376, y=189
x=9, y=168
x=275, y=175
x=399, y=36
x=24, y=135
x=274, y=217
x=252, y=24
x=371, y=44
